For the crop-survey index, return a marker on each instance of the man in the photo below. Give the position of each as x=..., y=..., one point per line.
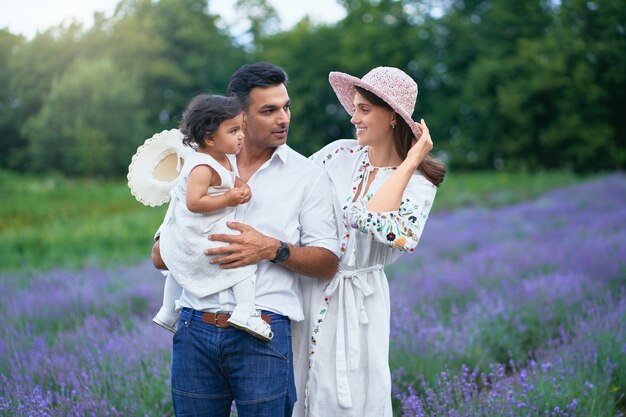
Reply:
x=290, y=223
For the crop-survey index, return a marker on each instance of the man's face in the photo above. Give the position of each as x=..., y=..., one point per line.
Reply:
x=267, y=117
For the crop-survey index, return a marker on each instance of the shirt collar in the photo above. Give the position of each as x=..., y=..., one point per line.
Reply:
x=281, y=152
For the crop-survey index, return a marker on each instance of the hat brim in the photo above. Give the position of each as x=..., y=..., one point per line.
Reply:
x=344, y=87
x=156, y=166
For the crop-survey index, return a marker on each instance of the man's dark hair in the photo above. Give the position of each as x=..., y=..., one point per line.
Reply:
x=203, y=116
x=249, y=76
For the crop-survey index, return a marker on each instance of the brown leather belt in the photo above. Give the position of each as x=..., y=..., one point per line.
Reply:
x=220, y=319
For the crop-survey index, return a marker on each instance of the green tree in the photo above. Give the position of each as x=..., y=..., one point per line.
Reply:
x=91, y=122
x=555, y=101
x=171, y=50
x=501, y=83
x=32, y=66
x=36, y=63
x=203, y=53
x=262, y=17
x=9, y=101
x=173, y=47
x=482, y=39
x=587, y=129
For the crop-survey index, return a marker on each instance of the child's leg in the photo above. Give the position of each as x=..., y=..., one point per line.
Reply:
x=245, y=316
x=167, y=317
x=244, y=292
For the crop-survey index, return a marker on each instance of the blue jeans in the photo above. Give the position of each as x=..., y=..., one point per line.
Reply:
x=213, y=365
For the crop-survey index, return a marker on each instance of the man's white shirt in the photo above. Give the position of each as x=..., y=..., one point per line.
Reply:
x=291, y=201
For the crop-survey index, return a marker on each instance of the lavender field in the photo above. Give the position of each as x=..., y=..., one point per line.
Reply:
x=518, y=310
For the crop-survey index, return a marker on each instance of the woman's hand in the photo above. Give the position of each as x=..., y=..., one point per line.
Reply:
x=421, y=146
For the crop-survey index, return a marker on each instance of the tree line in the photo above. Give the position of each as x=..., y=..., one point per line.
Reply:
x=503, y=84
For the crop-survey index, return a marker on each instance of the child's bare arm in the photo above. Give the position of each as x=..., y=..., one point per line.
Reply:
x=200, y=179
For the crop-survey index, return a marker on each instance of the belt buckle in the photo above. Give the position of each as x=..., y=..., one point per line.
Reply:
x=222, y=313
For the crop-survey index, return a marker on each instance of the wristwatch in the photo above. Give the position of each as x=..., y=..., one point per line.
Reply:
x=282, y=254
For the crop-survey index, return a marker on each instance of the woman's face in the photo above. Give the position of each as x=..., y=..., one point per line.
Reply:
x=373, y=123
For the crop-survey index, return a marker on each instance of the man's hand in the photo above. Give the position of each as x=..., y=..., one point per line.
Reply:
x=157, y=261
x=249, y=247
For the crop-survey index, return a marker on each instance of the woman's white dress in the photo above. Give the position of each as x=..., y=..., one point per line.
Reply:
x=344, y=341
x=184, y=235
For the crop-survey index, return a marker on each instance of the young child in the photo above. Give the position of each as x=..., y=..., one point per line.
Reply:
x=203, y=200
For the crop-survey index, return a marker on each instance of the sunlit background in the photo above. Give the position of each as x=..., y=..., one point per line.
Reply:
x=32, y=16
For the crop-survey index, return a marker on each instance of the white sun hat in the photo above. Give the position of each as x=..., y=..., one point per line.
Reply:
x=156, y=166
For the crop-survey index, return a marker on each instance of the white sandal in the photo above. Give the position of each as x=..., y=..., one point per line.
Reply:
x=251, y=322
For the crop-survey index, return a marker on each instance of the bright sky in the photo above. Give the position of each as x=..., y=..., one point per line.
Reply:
x=26, y=17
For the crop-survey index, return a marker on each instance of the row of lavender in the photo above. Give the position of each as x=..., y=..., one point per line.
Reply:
x=82, y=344
x=517, y=311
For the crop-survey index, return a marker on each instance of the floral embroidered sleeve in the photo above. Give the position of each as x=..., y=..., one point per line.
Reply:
x=400, y=229
x=330, y=152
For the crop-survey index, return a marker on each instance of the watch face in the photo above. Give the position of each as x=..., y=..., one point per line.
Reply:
x=283, y=252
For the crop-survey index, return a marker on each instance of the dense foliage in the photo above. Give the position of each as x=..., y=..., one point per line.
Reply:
x=503, y=84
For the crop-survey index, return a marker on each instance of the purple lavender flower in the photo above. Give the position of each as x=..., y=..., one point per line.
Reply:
x=532, y=280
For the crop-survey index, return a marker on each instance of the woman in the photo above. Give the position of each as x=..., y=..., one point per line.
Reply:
x=384, y=183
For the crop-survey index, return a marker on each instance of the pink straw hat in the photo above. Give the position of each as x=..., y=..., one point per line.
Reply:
x=392, y=85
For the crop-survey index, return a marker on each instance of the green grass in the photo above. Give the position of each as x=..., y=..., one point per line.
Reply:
x=56, y=222
x=494, y=189
x=50, y=222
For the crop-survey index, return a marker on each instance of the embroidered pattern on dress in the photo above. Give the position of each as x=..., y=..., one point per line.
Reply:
x=341, y=149
x=397, y=230
x=317, y=325
x=313, y=342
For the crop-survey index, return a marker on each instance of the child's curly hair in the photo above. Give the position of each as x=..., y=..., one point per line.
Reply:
x=203, y=116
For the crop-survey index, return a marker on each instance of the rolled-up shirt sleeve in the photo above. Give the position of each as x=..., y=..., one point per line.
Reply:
x=317, y=217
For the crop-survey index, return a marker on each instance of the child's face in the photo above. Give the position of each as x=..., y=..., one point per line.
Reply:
x=229, y=136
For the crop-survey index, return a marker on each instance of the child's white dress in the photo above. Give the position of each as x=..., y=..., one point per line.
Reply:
x=184, y=234
x=345, y=337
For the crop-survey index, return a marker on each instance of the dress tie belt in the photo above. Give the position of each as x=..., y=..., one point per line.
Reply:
x=352, y=288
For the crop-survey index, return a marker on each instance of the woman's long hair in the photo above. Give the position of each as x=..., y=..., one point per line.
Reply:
x=431, y=167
